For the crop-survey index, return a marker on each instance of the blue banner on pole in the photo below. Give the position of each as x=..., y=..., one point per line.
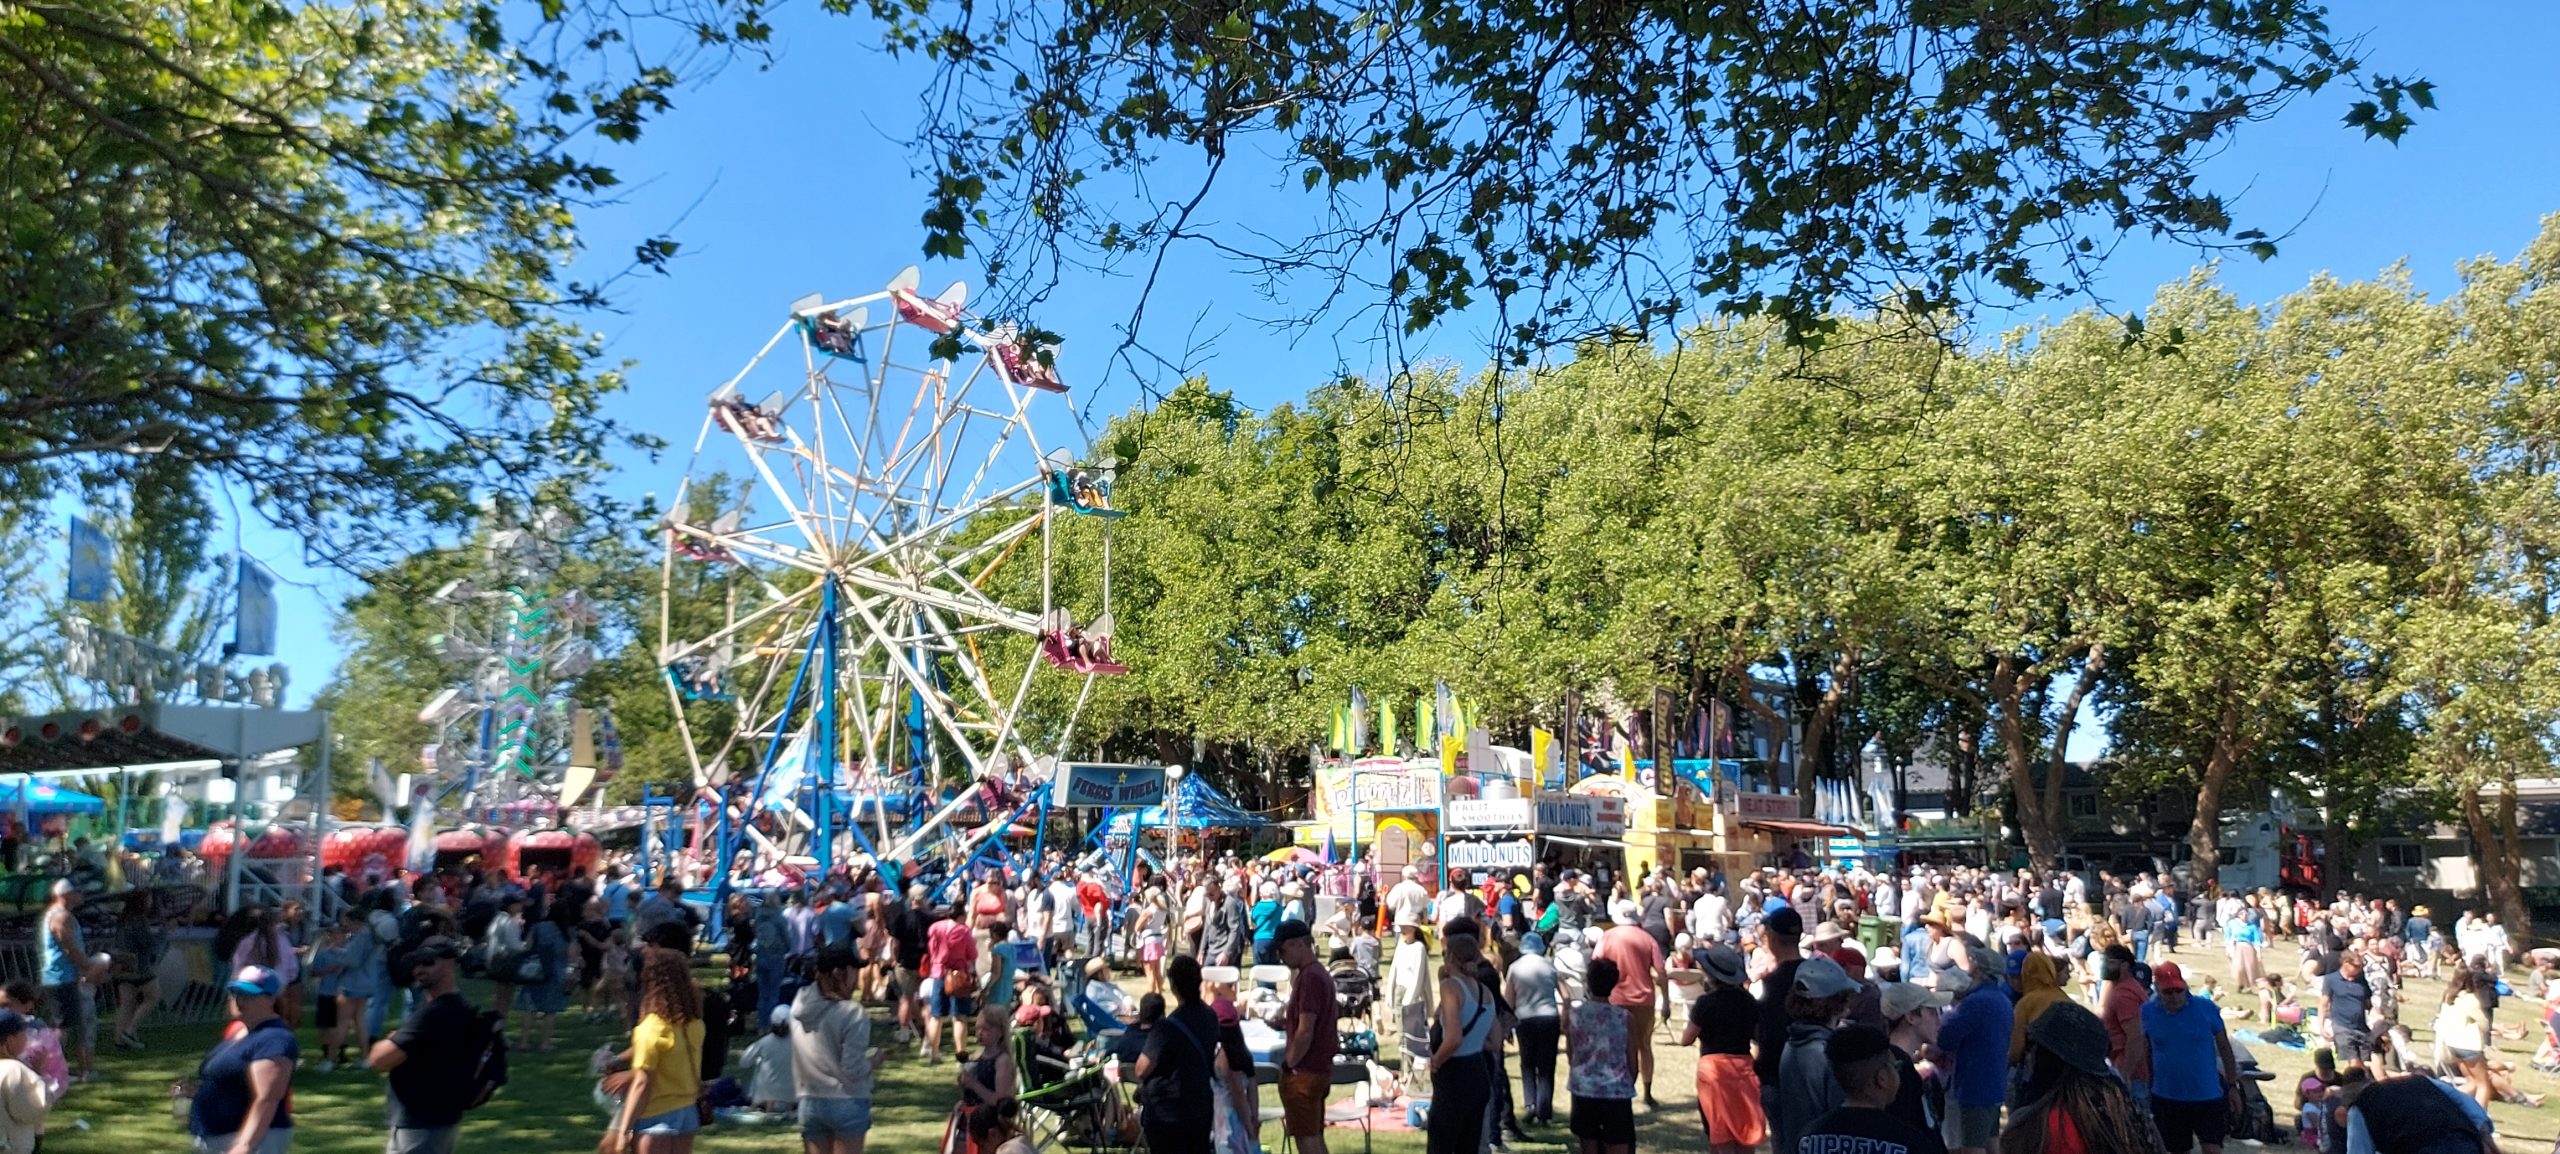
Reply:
x=93, y=557
x=254, y=626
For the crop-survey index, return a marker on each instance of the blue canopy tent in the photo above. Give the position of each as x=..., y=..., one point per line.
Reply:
x=24, y=795
x=1198, y=804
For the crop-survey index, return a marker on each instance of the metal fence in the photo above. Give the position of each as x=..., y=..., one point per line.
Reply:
x=190, y=988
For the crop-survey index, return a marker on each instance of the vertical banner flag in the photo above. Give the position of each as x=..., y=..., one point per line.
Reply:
x=1666, y=740
x=1386, y=727
x=1542, y=747
x=1426, y=727
x=1359, y=724
x=1569, y=720
x=93, y=559
x=1452, y=747
x=1445, y=708
x=253, y=624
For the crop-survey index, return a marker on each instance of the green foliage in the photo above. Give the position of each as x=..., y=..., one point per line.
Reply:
x=318, y=249
x=1585, y=170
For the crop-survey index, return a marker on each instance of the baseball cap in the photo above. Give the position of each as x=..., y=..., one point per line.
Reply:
x=1900, y=999
x=2167, y=976
x=1784, y=922
x=256, y=982
x=434, y=949
x=1820, y=977
x=781, y=1015
x=1290, y=931
x=63, y=888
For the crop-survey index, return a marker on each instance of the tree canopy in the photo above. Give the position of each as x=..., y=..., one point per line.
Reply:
x=1581, y=169
x=318, y=249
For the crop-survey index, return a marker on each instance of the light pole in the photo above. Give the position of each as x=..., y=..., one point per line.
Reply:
x=1173, y=846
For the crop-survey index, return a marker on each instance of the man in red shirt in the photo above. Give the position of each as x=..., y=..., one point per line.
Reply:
x=1096, y=901
x=951, y=983
x=1639, y=961
x=2120, y=1007
x=1314, y=1032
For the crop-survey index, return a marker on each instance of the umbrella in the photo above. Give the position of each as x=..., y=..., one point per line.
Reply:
x=1291, y=854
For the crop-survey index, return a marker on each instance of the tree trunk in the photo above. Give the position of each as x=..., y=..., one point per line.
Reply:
x=2036, y=824
x=2204, y=834
x=2056, y=765
x=1817, y=729
x=2498, y=857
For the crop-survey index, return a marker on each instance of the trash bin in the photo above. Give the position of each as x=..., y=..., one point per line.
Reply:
x=1874, y=933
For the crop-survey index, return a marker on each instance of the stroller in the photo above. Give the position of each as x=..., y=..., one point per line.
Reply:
x=2257, y=1118
x=1355, y=993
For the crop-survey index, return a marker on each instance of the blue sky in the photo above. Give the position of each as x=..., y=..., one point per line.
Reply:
x=792, y=179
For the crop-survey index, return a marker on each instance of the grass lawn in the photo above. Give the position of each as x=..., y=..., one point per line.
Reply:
x=548, y=1106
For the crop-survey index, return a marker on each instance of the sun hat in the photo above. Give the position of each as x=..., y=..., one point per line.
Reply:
x=781, y=1015
x=1531, y=943
x=1724, y=964
x=2070, y=1032
x=1625, y=912
x=1825, y=934
x=62, y=888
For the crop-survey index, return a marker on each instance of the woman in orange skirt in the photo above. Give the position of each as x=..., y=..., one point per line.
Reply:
x=1720, y=1025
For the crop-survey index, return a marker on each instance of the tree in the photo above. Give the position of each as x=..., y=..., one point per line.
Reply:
x=319, y=249
x=2475, y=648
x=168, y=589
x=1583, y=168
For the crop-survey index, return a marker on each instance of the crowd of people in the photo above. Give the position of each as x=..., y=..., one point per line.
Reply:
x=1832, y=1011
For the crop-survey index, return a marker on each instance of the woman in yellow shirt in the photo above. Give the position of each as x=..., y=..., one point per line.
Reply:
x=658, y=1113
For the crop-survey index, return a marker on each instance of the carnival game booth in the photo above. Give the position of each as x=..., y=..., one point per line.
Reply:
x=371, y=854
x=1577, y=828
x=537, y=850
x=276, y=868
x=467, y=847
x=1382, y=812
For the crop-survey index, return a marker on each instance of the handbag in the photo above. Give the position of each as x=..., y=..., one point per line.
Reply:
x=959, y=983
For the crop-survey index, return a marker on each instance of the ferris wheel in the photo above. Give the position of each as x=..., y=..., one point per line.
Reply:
x=881, y=466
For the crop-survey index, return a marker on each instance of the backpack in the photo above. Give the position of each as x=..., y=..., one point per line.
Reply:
x=489, y=1069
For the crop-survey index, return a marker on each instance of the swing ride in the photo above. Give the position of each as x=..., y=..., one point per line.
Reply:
x=862, y=696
